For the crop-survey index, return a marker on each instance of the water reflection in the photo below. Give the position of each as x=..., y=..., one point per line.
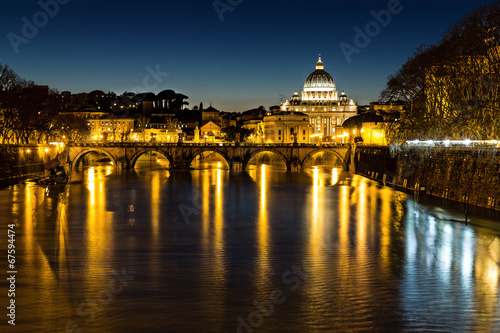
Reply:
x=376, y=259
x=317, y=252
x=209, y=160
x=263, y=268
x=210, y=185
x=457, y=256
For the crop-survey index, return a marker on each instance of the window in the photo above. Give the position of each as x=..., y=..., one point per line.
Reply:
x=304, y=132
x=279, y=133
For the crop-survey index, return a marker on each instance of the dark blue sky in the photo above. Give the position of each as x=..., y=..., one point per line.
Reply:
x=259, y=50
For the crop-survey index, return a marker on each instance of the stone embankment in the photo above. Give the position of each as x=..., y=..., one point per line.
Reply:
x=18, y=161
x=470, y=174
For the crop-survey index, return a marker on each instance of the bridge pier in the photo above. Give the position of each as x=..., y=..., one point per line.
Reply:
x=294, y=166
x=122, y=165
x=180, y=165
x=236, y=166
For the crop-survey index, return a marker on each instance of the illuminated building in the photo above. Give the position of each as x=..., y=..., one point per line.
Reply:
x=106, y=129
x=320, y=100
x=388, y=106
x=368, y=128
x=210, y=114
x=210, y=132
x=286, y=127
x=161, y=135
x=373, y=133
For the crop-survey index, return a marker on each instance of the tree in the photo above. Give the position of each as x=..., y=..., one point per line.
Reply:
x=453, y=87
x=73, y=128
x=142, y=124
x=233, y=132
x=179, y=101
x=165, y=99
x=11, y=87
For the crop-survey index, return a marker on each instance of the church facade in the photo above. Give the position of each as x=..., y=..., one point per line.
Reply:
x=320, y=100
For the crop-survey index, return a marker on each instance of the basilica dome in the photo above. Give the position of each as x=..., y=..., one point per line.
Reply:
x=319, y=78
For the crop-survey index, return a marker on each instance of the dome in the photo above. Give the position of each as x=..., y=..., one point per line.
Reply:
x=319, y=78
x=296, y=100
x=343, y=100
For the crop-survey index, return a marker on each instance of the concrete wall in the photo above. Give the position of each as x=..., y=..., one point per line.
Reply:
x=462, y=174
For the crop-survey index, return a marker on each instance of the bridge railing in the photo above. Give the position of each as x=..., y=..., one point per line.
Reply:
x=248, y=145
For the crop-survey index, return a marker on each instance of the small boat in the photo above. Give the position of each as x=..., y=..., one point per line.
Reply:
x=56, y=172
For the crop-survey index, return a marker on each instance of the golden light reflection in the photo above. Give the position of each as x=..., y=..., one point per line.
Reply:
x=385, y=229
x=205, y=182
x=316, y=184
x=335, y=176
x=155, y=207
x=16, y=210
x=62, y=231
x=362, y=215
x=100, y=237
x=344, y=210
x=263, y=264
x=210, y=182
x=91, y=185
x=219, y=222
x=319, y=247
x=29, y=221
x=46, y=261
x=487, y=276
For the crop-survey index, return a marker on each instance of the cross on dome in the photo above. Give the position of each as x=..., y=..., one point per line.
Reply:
x=320, y=65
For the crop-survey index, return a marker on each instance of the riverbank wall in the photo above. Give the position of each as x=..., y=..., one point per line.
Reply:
x=470, y=175
x=21, y=161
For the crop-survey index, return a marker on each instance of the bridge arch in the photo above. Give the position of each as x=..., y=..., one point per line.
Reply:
x=78, y=158
x=325, y=150
x=217, y=151
x=266, y=150
x=136, y=157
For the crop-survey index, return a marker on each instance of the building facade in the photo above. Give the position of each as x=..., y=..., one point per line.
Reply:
x=320, y=100
x=107, y=129
x=286, y=127
x=210, y=132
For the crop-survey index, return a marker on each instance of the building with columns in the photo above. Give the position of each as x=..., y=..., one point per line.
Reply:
x=320, y=100
x=286, y=127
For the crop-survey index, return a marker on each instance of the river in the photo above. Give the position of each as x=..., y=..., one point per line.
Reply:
x=263, y=250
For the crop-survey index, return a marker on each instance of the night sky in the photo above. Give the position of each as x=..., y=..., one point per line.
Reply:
x=259, y=49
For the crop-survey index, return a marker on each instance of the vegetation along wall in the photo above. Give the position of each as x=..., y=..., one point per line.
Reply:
x=20, y=161
x=469, y=175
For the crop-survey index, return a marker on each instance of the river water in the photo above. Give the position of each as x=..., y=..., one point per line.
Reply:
x=257, y=251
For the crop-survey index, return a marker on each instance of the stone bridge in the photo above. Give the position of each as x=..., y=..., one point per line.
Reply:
x=180, y=156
